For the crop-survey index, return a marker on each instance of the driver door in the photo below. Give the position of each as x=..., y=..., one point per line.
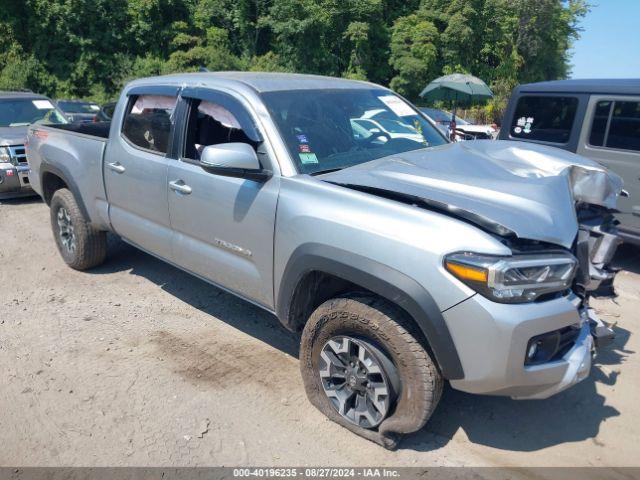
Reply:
x=222, y=226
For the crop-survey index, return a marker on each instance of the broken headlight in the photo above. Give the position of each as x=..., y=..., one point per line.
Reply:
x=514, y=279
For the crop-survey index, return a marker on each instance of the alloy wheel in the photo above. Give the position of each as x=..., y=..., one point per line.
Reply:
x=359, y=380
x=66, y=231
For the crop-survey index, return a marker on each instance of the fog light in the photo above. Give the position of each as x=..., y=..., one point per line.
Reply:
x=533, y=349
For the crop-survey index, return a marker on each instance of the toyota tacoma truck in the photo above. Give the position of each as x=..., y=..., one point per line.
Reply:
x=405, y=262
x=17, y=111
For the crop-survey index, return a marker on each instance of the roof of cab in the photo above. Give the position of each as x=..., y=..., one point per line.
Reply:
x=21, y=94
x=75, y=101
x=620, y=86
x=266, y=81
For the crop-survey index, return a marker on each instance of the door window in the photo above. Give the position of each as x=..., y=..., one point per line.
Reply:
x=623, y=120
x=545, y=119
x=212, y=124
x=599, y=125
x=148, y=122
x=624, y=131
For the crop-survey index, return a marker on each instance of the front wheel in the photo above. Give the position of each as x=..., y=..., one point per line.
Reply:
x=365, y=366
x=80, y=244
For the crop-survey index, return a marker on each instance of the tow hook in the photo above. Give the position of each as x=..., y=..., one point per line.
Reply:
x=601, y=332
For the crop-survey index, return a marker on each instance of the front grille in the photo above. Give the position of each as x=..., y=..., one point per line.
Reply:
x=18, y=154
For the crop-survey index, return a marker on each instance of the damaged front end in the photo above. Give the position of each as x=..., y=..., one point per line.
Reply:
x=595, y=191
x=533, y=199
x=595, y=247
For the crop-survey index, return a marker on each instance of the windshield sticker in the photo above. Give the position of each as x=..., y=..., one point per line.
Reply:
x=42, y=104
x=523, y=125
x=307, y=158
x=95, y=108
x=397, y=105
x=302, y=138
x=304, y=148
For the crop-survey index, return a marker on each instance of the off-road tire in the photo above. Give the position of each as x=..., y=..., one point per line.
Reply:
x=91, y=244
x=388, y=326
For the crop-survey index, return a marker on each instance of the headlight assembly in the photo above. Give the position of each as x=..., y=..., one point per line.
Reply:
x=514, y=279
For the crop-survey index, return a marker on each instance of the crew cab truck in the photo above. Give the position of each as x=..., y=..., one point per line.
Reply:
x=404, y=262
x=17, y=111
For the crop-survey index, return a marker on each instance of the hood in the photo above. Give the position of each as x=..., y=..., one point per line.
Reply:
x=528, y=190
x=13, y=135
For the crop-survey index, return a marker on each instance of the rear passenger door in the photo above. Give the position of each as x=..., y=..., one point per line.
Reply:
x=611, y=136
x=222, y=226
x=135, y=169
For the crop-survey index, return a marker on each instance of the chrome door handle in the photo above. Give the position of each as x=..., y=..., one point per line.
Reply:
x=180, y=187
x=116, y=167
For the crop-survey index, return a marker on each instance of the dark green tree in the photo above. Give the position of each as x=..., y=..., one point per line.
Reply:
x=90, y=48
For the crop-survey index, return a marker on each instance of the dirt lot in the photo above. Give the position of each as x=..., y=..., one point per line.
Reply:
x=137, y=363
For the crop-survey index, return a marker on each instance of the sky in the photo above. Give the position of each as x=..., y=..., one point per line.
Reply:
x=609, y=46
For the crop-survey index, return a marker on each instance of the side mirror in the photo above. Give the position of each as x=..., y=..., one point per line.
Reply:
x=237, y=160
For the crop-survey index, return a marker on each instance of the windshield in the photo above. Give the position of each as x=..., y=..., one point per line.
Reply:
x=332, y=129
x=78, y=107
x=25, y=111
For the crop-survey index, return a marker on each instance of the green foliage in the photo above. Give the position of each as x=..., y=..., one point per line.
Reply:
x=269, y=62
x=21, y=70
x=91, y=48
x=414, y=54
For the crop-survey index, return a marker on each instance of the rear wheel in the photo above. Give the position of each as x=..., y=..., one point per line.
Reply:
x=365, y=366
x=80, y=244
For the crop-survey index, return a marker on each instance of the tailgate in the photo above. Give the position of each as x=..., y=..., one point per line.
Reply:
x=75, y=158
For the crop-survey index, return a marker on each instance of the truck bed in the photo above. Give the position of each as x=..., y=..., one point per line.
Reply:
x=75, y=153
x=96, y=129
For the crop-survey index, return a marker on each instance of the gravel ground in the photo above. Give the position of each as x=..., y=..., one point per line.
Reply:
x=137, y=363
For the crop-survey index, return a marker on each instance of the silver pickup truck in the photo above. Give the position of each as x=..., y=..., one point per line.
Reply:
x=404, y=260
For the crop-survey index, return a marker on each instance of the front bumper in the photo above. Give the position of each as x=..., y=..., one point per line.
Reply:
x=492, y=339
x=14, y=181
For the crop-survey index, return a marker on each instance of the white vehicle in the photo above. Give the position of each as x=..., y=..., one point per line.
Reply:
x=465, y=130
x=476, y=132
x=382, y=127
